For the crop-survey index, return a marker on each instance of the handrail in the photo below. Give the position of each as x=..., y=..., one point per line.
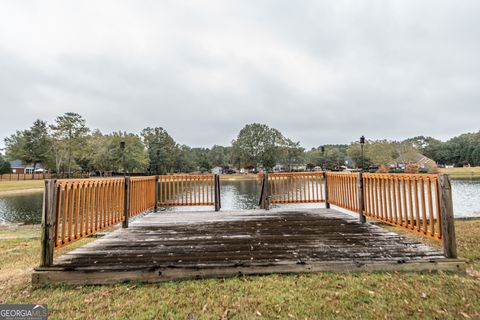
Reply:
x=76, y=208
x=410, y=201
x=342, y=190
x=86, y=206
x=295, y=187
x=142, y=194
x=420, y=203
x=187, y=190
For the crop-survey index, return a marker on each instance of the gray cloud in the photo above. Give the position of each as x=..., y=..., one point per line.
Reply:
x=321, y=72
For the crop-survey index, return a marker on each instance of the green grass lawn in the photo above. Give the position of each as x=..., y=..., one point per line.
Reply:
x=20, y=185
x=311, y=296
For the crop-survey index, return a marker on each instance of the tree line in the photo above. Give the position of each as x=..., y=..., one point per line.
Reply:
x=68, y=145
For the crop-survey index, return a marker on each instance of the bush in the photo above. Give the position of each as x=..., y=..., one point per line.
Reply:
x=434, y=170
x=4, y=165
x=382, y=169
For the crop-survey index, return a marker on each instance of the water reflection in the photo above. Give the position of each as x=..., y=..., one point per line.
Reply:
x=239, y=195
x=466, y=198
x=25, y=208
x=236, y=195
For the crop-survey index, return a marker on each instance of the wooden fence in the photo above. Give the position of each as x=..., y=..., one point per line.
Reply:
x=25, y=176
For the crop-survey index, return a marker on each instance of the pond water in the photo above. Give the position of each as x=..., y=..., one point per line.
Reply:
x=235, y=195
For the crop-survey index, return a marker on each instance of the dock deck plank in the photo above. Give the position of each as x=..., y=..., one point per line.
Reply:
x=183, y=245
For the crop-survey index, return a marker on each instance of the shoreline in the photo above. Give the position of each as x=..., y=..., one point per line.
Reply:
x=20, y=191
x=472, y=173
x=238, y=177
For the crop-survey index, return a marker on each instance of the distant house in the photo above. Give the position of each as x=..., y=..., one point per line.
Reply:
x=217, y=170
x=18, y=167
x=419, y=159
x=299, y=168
x=248, y=169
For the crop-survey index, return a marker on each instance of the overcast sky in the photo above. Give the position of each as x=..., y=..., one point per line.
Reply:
x=319, y=71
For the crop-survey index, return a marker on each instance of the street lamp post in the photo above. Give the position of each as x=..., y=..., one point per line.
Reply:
x=322, y=150
x=362, y=142
x=122, y=148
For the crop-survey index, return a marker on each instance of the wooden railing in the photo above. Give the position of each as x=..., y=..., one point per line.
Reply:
x=298, y=187
x=187, y=190
x=420, y=203
x=408, y=201
x=142, y=194
x=76, y=208
x=82, y=207
x=343, y=190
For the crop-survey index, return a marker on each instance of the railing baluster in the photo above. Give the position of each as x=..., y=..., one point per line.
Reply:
x=430, y=209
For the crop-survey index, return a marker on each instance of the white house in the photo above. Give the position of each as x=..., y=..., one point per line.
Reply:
x=217, y=170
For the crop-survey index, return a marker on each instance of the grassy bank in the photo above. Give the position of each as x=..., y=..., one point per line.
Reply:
x=325, y=295
x=238, y=177
x=20, y=185
x=462, y=173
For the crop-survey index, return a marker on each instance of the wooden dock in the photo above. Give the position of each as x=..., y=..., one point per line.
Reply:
x=166, y=246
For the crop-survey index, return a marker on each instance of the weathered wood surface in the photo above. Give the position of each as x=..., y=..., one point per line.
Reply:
x=448, y=223
x=183, y=245
x=48, y=223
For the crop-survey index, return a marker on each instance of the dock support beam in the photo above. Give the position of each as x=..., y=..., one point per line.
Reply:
x=218, y=203
x=325, y=177
x=126, y=203
x=49, y=218
x=361, y=200
x=447, y=219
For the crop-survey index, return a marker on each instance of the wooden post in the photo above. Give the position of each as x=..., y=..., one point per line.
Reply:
x=49, y=219
x=216, y=181
x=126, y=202
x=219, y=193
x=156, y=194
x=265, y=203
x=361, y=200
x=447, y=219
x=261, y=198
x=325, y=176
